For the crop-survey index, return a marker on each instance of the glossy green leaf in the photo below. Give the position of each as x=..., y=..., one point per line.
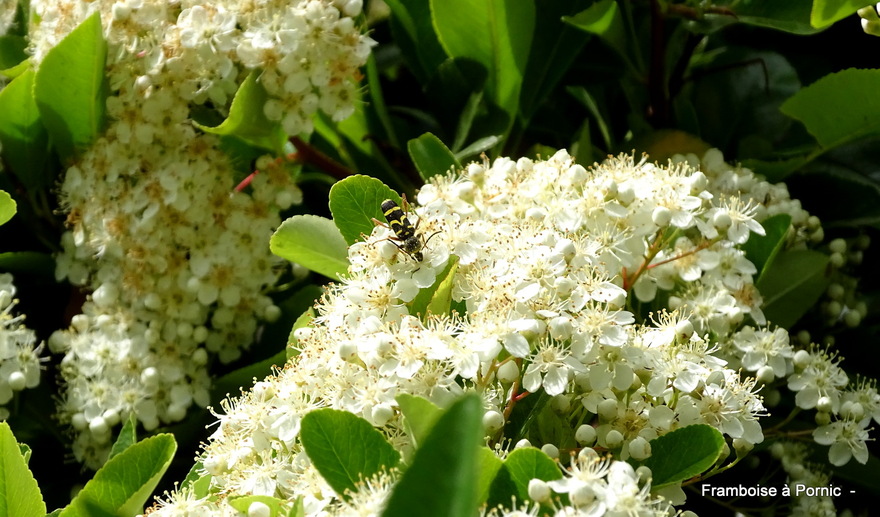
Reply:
x=23, y=138
x=495, y=33
x=605, y=20
x=12, y=51
x=477, y=147
x=586, y=99
x=792, y=284
x=248, y=121
x=127, y=436
x=430, y=156
x=32, y=262
x=555, y=46
x=355, y=202
x=19, y=493
x=784, y=15
x=313, y=242
x=233, y=382
x=126, y=481
x=443, y=479
x=762, y=249
x=826, y=12
x=304, y=320
x=7, y=207
x=419, y=414
x=683, y=453
x=345, y=448
x=197, y=480
x=414, y=33
x=70, y=87
x=521, y=466
x=839, y=108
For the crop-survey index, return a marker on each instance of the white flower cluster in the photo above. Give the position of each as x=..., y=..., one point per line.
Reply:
x=19, y=351
x=7, y=14
x=542, y=256
x=177, y=261
x=308, y=52
x=596, y=486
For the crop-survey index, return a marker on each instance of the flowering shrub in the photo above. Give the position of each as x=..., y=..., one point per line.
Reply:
x=551, y=327
x=533, y=271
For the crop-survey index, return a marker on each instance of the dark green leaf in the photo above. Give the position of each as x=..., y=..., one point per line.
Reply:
x=243, y=378
x=355, y=202
x=554, y=48
x=826, y=12
x=604, y=20
x=19, y=493
x=495, y=33
x=792, y=284
x=247, y=120
x=126, y=481
x=443, y=479
x=345, y=449
x=33, y=262
x=784, y=15
x=839, y=108
x=431, y=157
x=477, y=147
x=683, y=454
x=23, y=138
x=70, y=87
x=12, y=51
x=762, y=249
x=520, y=467
x=313, y=242
x=415, y=36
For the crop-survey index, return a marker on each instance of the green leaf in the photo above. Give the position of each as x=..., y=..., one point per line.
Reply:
x=792, y=284
x=12, y=51
x=495, y=33
x=248, y=121
x=126, y=481
x=604, y=20
x=304, y=320
x=683, y=454
x=437, y=298
x=70, y=87
x=419, y=414
x=243, y=378
x=792, y=16
x=127, y=436
x=22, y=135
x=7, y=207
x=243, y=503
x=313, y=242
x=198, y=480
x=554, y=48
x=762, y=249
x=355, y=202
x=345, y=448
x=477, y=147
x=415, y=36
x=839, y=108
x=520, y=467
x=826, y=12
x=443, y=477
x=19, y=493
x=430, y=156
x=584, y=97
x=33, y=262
x=489, y=466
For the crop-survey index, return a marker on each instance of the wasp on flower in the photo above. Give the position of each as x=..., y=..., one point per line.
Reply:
x=406, y=236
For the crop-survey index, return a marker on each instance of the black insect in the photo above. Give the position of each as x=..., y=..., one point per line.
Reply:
x=406, y=236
